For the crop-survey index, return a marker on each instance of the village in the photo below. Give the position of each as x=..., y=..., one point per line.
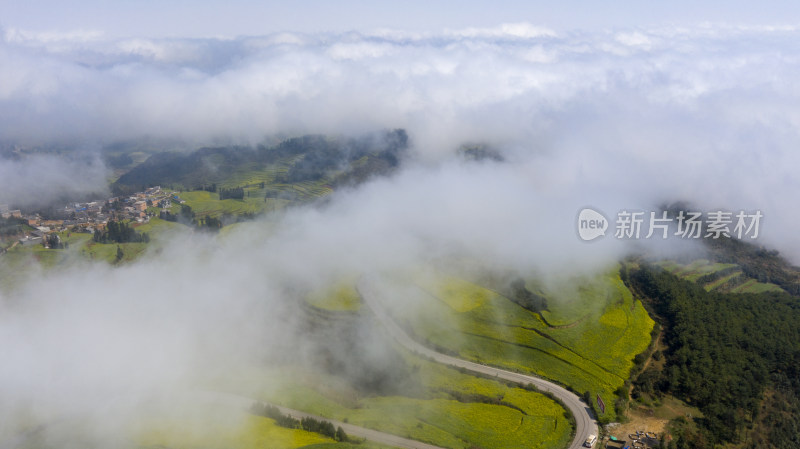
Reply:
x=92, y=216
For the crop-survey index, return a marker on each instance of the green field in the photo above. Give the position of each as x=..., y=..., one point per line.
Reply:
x=724, y=277
x=459, y=294
x=694, y=270
x=22, y=259
x=341, y=297
x=157, y=227
x=255, y=201
x=526, y=420
x=262, y=191
x=253, y=432
x=179, y=425
x=208, y=204
x=206, y=425
x=361, y=445
x=595, y=330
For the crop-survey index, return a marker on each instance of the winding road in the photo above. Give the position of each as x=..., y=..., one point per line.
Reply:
x=584, y=424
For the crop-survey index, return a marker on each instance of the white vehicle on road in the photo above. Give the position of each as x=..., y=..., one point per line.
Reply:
x=590, y=440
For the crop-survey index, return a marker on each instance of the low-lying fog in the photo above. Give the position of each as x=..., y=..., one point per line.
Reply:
x=627, y=119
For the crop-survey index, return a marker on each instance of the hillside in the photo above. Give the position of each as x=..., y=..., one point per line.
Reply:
x=586, y=339
x=724, y=353
x=728, y=346
x=357, y=374
x=335, y=161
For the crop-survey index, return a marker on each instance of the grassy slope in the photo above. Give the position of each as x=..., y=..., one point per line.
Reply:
x=604, y=328
x=435, y=417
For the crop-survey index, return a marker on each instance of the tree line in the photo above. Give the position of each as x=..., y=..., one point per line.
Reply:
x=120, y=232
x=235, y=193
x=188, y=217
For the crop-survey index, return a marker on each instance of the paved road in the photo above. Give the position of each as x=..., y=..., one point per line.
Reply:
x=584, y=424
x=372, y=435
x=244, y=403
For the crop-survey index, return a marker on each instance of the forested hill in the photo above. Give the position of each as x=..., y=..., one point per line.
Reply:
x=734, y=356
x=337, y=160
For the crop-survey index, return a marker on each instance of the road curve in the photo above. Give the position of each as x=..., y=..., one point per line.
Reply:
x=584, y=424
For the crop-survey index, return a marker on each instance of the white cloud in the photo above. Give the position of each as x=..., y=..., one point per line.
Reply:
x=34, y=181
x=20, y=36
x=507, y=30
x=675, y=108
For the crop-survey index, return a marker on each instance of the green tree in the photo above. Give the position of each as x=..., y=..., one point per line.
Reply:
x=341, y=435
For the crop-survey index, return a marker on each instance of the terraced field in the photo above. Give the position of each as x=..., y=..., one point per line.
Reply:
x=503, y=417
x=718, y=276
x=273, y=196
x=208, y=204
x=253, y=174
x=698, y=268
x=588, y=342
x=428, y=402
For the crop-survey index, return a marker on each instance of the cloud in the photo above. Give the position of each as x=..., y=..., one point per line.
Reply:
x=520, y=31
x=671, y=109
x=36, y=180
x=705, y=113
x=624, y=119
x=90, y=338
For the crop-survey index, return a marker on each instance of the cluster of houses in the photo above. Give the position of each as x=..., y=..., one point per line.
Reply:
x=93, y=216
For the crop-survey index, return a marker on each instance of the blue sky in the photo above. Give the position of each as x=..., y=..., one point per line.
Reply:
x=184, y=18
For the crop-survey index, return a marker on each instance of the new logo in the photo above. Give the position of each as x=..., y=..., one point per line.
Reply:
x=591, y=224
